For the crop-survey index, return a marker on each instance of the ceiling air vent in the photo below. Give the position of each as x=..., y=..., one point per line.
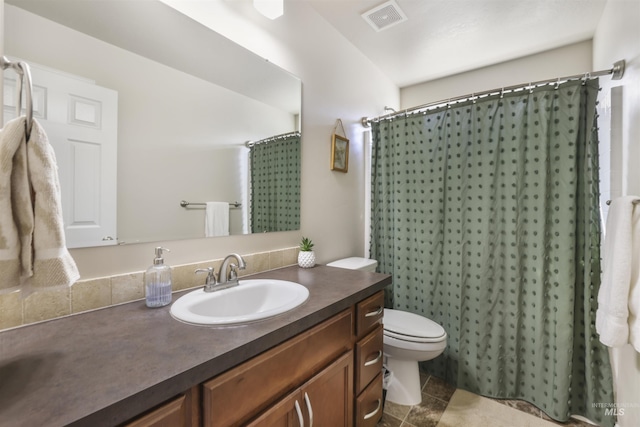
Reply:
x=384, y=16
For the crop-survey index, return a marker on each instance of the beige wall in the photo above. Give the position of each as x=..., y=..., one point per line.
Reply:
x=564, y=61
x=337, y=83
x=618, y=37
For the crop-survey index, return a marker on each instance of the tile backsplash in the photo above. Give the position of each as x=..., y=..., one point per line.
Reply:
x=92, y=294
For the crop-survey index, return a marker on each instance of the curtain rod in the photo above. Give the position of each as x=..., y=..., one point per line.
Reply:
x=617, y=72
x=250, y=144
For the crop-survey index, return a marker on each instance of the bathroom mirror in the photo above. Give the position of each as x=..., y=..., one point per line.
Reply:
x=182, y=100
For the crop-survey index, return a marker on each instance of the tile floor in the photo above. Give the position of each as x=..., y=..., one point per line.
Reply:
x=435, y=397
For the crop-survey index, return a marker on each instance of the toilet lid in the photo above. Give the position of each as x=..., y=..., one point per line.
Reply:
x=411, y=327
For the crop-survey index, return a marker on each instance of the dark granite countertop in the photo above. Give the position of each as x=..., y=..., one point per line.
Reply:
x=104, y=367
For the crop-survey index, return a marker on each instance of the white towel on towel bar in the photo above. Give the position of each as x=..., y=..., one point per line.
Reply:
x=34, y=255
x=16, y=209
x=618, y=314
x=216, y=219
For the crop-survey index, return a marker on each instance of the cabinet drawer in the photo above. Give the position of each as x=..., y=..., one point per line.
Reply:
x=368, y=358
x=240, y=393
x=176, y=412
x=369, y=404
x=369, y=312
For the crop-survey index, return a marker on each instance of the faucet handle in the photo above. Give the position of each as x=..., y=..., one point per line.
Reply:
x=233, y=272
x=211, y=275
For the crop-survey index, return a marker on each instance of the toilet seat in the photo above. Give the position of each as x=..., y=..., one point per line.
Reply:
x=411, y=327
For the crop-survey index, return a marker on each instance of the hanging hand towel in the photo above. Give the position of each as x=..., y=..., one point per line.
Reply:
x=53, y=266
x=44, y=261
x=216, y=219
x=617, y=313
x=16, y=210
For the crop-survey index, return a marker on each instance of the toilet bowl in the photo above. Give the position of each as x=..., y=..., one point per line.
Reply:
x=408, y=338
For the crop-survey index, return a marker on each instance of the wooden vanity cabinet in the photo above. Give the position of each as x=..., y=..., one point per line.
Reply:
x=329, y=375
x=368, y=360
x=295, y=366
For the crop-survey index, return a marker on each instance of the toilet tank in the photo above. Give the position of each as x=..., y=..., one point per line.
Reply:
x=355, y=263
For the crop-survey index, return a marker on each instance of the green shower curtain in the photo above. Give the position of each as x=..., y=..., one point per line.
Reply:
x=275, y=184
x=486, y=215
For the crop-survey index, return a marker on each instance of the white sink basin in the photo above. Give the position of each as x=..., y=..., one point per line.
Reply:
x=251, y=300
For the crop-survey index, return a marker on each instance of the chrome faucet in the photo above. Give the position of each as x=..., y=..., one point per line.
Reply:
x=230, y=279
x=224, y=280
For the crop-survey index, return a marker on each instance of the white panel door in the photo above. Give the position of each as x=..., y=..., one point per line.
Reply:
x=81, y=121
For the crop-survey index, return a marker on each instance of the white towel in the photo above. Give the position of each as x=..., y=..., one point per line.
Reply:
x=216, y=219
x=618, y=299
x=16, y=211
x=36, y=237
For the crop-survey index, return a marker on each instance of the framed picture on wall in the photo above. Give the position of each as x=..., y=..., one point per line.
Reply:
x=339, y=153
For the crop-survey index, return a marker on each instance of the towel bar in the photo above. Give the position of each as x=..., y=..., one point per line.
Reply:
x=184, y=204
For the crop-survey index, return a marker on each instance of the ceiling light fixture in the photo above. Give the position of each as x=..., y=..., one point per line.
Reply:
x=272, y=9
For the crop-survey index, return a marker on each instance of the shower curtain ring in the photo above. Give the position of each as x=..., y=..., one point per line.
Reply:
x=586, y=77
x=501, y=93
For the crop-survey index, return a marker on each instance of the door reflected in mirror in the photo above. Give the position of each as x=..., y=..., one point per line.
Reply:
x=142, y=118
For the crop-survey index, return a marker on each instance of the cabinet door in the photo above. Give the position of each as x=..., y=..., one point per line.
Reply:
x=286, y=413
x=328, y=397
x=326, y=400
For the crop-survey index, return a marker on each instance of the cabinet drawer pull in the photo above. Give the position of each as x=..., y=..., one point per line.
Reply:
x=300, y=419
x=372, y=413
x=374, y=313
x=308, y=401
x=374, y=361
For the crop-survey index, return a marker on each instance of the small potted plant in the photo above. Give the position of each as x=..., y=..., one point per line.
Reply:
x=306, y=256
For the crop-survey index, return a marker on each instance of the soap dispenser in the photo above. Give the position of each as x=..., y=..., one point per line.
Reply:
x=157, y=282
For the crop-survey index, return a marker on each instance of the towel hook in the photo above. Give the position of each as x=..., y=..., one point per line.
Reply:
x=22, y=69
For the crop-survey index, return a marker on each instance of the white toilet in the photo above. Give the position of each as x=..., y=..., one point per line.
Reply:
x=408, y=339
